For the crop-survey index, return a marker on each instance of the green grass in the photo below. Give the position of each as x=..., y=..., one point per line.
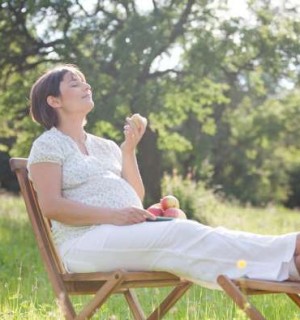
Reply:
x=26, y=292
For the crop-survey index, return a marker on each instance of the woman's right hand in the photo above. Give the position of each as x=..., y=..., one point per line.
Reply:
x=131, y=215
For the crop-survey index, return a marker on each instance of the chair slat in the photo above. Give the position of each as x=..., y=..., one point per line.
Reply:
x=239, y=289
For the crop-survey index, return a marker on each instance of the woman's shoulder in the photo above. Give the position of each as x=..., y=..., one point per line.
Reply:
x=51, y=137
x=49, y=146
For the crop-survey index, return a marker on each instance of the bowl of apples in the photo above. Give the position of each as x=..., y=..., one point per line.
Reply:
x=167, y=209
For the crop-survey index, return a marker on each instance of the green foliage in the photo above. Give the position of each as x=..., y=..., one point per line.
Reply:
x=261, y=149
x=106, y=129
x=228, y=109
x=196, y=200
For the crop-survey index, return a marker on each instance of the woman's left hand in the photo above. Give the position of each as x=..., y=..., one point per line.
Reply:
x=133, y=135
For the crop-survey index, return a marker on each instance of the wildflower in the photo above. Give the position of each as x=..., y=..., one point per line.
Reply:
x=241, y=264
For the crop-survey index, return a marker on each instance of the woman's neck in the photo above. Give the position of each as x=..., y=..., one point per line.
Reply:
x=75, y=130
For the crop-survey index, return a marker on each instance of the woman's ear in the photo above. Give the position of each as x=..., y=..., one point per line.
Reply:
x=53, y=102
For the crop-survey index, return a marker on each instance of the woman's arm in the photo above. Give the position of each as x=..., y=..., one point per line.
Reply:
x=131, y=173
x=46, y=179
x=130, y=169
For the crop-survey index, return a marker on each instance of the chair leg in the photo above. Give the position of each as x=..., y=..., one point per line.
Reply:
x=169, y=301
x=295, y=298
x=100, y=297
x=239, y=298
x=134, y=305
x=65, y=305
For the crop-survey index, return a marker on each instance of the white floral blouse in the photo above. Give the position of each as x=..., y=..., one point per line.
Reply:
x=93, y=179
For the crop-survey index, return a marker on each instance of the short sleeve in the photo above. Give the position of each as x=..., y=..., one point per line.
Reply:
x=45, y=149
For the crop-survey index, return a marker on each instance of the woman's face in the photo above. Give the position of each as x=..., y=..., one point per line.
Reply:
x=75, y=94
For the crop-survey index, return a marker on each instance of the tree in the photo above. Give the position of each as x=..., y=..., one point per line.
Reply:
x=246, y=151
x=112, y=43
x=215, y=113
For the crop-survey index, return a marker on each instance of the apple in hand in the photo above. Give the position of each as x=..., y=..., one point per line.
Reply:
x=169, y=202
x=139, y=121
x=156, y=209
x=174, y=213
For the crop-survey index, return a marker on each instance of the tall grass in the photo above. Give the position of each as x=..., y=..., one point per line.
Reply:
x=26, y=293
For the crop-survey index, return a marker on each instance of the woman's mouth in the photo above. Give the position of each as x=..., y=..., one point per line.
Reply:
x=88, y=95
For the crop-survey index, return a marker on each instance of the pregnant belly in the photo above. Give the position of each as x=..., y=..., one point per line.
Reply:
x=111, y=191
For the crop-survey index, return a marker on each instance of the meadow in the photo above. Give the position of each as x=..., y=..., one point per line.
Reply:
x=26, y=292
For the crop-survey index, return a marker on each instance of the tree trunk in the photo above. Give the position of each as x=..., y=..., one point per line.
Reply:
x=149, y=159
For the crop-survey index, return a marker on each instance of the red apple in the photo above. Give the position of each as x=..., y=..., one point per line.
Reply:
x=181, y=214
x=169, y=202
x=175, y=213
x=156, y=209
x=171, y=212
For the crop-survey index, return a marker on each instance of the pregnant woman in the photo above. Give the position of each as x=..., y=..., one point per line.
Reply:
x=92, y=191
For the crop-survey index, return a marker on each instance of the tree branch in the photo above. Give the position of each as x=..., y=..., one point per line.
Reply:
x=164, y=72
x=82, y=8
x=109, y=14
x=133, y=6
x=20, y=21
x=126, y=7
x=176, y=31
x=84, y=11
x=179, y=26
x=155, y=5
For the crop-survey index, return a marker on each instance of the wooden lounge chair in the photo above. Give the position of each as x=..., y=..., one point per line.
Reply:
x=239, y=289
x=100, y=284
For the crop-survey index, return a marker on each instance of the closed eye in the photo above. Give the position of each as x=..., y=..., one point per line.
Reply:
x=77, y=83
x=74, y=83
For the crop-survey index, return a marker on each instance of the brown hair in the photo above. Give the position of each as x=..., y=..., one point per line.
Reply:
x=48, y=85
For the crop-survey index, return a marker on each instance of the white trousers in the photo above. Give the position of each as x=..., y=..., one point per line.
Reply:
x=184, y=247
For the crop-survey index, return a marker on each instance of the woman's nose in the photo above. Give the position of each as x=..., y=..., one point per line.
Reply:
x=87, y=87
